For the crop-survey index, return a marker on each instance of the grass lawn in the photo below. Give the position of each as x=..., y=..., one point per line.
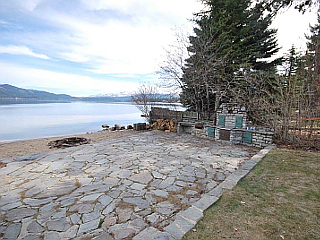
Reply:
x=278, y=199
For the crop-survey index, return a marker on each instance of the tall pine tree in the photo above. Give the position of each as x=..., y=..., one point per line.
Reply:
x=230, y=35
x=313, y=63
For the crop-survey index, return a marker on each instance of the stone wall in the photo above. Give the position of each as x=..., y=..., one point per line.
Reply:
x=258, y=139
x=262, y=139
x=217, y=133
x=186, y=127
x=231, y=112
x=200, y=133
x=231, y=108
x=237, y=136
x=231, y=120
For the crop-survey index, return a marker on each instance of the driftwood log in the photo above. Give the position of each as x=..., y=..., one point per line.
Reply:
x=68, y=142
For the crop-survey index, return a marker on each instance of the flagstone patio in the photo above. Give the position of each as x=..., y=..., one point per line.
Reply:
x=152, y=185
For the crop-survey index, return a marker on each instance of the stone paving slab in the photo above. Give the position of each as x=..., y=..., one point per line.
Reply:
x=152, y=185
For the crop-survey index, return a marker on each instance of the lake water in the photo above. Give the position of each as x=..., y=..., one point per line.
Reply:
x=29, y=121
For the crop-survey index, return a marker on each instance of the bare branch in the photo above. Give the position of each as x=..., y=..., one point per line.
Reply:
x=145, y=98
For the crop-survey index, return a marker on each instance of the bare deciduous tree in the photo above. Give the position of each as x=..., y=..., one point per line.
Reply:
x=199, y=82
x=145, y=98
x=171, y=70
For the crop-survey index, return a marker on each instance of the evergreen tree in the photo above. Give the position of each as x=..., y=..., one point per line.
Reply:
x=292, y=62
x=313, y=45
x=230, y=35
x=313, y=62
x=275, y=5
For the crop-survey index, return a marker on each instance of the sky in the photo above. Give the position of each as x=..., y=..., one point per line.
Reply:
x=93, y=47
x=292, y=27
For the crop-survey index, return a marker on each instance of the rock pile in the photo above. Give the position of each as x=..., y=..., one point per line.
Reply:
x=116, y=127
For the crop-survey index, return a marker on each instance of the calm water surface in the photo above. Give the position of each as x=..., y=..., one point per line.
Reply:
x=29, y=121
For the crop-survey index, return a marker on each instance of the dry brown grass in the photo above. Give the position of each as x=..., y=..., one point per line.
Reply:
x=279, y=199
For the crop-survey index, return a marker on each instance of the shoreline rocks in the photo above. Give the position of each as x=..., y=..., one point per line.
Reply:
x=118, y=127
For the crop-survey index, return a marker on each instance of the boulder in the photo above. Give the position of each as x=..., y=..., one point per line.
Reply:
x=106, y=126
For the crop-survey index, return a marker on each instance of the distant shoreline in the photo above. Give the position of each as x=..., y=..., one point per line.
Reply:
x=14, y=95
x=28, y=101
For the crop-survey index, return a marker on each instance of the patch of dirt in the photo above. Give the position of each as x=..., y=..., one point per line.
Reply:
x=305, y=145
x=301, y=141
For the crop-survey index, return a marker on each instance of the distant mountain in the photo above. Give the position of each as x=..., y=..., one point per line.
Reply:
x=127, y=98
x=9, y=92
x=106, y=99
x=120, y=94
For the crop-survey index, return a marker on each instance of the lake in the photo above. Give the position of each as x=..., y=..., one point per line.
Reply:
x=29, y=121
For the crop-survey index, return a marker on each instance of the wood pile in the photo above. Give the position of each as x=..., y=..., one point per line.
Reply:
x=165, y=125
x=68, y=142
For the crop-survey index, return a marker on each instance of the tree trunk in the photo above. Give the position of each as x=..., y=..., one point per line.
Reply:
x=317, y=63
x=217, y=103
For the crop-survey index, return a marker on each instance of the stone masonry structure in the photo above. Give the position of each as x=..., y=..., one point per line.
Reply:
x=231, y=125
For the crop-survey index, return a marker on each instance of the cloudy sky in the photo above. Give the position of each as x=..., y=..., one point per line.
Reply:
x=90, y=47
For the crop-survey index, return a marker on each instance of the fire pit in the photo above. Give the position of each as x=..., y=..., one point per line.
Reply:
x=68, y=142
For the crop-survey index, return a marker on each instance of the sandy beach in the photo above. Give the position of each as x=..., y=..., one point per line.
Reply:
x=21, y=148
